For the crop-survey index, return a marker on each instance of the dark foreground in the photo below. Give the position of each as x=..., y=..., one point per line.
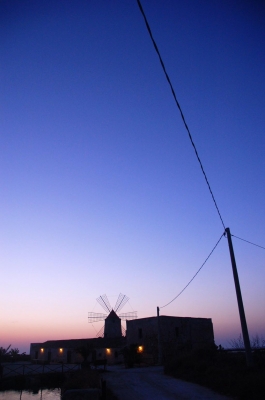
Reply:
x=151, y=383
x=223, y=372
x=186, y=377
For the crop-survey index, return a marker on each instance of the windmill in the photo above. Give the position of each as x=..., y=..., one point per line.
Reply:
x=112, y=327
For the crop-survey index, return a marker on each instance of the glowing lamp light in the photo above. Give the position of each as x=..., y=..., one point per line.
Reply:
x=42, y=350
x=140, y=349
x=108, y=351
x=60, y=350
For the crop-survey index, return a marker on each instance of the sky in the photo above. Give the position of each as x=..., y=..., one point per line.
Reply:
x=101, y=189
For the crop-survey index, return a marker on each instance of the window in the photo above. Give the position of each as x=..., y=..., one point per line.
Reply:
x=140, y=333
x=177, y=331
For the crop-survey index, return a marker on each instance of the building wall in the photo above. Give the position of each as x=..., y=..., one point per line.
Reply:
x=40, y=352
x=175, y=333
x=112, y=327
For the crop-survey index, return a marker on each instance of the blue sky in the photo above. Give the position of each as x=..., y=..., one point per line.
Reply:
x=101, y=189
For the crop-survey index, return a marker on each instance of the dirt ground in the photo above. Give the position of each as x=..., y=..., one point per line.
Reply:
x=150, y=383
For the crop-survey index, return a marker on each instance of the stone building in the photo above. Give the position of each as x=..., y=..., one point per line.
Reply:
x=176, y=333
x=99, y=349
x=68, y=351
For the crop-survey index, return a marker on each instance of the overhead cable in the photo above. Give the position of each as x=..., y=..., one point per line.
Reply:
x=244, y=240
x=180, y=110
x=223, y=234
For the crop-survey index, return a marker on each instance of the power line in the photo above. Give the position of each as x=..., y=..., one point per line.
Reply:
x=244, y=240
x=180, y=110
x=223, y=234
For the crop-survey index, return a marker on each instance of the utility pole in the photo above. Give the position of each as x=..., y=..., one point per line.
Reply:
x=240, y=302
x=159, y=339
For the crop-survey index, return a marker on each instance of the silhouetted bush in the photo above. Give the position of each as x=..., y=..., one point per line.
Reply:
x=12, y=355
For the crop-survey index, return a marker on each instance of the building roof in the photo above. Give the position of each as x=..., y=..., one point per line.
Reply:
x=75, y=343
x=112, y=314
x=166, y=317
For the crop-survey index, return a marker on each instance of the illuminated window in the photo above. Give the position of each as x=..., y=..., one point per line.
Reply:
x=42, y=350
x=140, y=349
x=60, y=350
x=108, y=351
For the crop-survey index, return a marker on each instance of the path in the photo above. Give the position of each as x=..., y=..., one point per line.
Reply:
x=151, y=384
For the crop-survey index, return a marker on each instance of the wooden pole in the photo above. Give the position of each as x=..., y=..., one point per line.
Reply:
x=159, y=339
x=240, y=302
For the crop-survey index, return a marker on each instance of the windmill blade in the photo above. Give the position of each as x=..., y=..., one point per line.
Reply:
x=121, y=301
x=100, y=332
x=104, y=302
x=95, y=317
x=123, y=331
x=128, y=316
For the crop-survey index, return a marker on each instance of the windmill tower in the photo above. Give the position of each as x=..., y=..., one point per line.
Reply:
x=112, y=327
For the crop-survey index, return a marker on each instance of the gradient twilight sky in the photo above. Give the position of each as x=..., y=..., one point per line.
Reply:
x=101, y=189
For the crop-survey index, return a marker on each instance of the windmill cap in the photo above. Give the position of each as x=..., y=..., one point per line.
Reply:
x=112, y=314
